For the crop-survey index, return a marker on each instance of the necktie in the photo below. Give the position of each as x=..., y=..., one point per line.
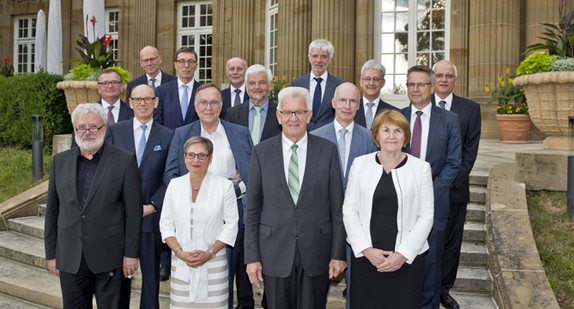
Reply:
x=293, y=179
x=317, y=97
x=110, y=115
x=442, y=104
x=370, y=114
x=342, y=143
x=237, y=97
x=141, y=145
x=256, y=128
x=184, y=101
x=416, y=139
x=152, y=83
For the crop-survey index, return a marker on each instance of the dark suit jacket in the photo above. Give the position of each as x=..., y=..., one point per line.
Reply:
x=443, y=154
x=326, y=112
x=469, y=118
x=168, y=111
x=238, y=137
x=361, y=143
x=275, y=225
x=108, y=227
x=239, y=114
x=142, y=80
x=152, y=165
x=360, y=116
x=226, y=96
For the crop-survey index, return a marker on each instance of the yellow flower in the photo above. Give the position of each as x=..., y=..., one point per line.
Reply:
x=510, y=80
x=502, y=83
x=486, y=88
x=491, y=85
x=276, y=78
x=283, y=77
x=500, y=78
x=507, y=70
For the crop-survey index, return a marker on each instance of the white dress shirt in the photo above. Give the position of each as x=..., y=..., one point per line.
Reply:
x=223, y=163
x=425, y=123
x=348, y=138
x=138, y=133
x=241, y=94
x=365, y=107
x=115, y=110
x=448, y=101
x=313, y=84
x=157, y=82
x=301, y=156
x=189, y=89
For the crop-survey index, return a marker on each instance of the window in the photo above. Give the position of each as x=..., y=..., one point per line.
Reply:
x=410, y=32
x=271, y=26
x=194, y=28
x=112, y=24
x=24, y=35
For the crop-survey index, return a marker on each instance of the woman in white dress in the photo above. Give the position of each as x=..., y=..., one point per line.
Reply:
x=199, y=217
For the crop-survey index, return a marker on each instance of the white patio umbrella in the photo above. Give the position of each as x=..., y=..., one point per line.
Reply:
x=40, y=41
x=54, y=59
x=94, y=19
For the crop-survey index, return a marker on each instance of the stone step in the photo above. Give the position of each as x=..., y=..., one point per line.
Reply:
x=477, y=194
x=473, y=279
x=474, y=232
x=9, y=302
x=22, y=248
x=42, y=210
x=475, y=212
x=472, y=300
x=32, y=226
x=478, y=178
x=473, y=254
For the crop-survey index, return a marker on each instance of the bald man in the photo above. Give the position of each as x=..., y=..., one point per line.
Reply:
x=150, y=60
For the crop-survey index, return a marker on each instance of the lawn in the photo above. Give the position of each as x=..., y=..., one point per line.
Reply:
x=554, y=235
x=16, y=171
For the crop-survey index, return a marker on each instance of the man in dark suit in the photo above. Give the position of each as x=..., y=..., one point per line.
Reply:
x=231, y=153
x=93, y=216
x=294, y=234
x=236, y=93
x=372, y=81
x=469, y=119
x=150, y=60
x=176, y=98
x=110, y=88
x=435, y=139
x=150, y=142
x=319, y=82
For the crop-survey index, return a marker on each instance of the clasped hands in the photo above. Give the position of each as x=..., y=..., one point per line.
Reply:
x=384, y=261
x=254, y=271
x=194, y=258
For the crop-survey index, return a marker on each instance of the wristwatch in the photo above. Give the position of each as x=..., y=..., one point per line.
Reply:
x=211, y=253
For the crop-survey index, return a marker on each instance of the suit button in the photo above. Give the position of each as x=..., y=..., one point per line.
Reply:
x=83, y=217
x=294, y=236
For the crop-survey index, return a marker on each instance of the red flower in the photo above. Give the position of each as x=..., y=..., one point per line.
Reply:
x=93, y=20
x=6, y=59
x=107, y=40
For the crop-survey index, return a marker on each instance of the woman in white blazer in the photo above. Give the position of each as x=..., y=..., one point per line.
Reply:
x=388, y=215
x=199, y=217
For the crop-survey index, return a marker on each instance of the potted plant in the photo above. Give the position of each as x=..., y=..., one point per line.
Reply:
x=512, y=110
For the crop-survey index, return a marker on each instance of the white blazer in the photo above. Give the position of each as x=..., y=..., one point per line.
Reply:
x=413, y=184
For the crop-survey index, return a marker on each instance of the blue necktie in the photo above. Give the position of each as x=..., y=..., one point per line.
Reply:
x=141, y=145
x=342, y=143
x=184, y=101
x=317, y=97
x=370, y=115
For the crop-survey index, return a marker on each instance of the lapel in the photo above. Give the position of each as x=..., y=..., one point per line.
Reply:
x=243, y=117
x=127, y=135
x=356, y=142
x=72, y=171
x=276, y=151
x=360, y=116
x=407, y=113
x=435, y=121
x=191, y=105
x=328, y=89
x=311, y=161
x=270, y=121
x=152, y=141
x=105, y=162
x=455, y=106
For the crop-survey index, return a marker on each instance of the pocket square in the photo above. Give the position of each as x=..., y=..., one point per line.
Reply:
x=157, y=148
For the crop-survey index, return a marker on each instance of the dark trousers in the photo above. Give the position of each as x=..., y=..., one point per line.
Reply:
x=149, y=262
x=452, y=245
x=349, y=253
x=433, y=265
x=78, y=288
x=165, y=256
x=244, y=289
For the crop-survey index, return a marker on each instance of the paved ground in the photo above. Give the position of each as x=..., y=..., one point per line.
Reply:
x=491, y=152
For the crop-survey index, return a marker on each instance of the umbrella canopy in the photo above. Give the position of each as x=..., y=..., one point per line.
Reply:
x=94, y=19
x=54, y=59
x=40, y=41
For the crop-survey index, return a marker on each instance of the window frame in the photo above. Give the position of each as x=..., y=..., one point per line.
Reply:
x=114, y=43
x=29, y=42
x=197, y=31
x=271, y=9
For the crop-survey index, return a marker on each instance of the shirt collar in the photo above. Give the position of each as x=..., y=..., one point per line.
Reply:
x=349, y=128
x=157, y=78
x=264, y=106
x=242, y=88
x=302, y=143
x=365, y=101
x=190, y=84
x=324, y=76
x=138, y=124
x=106, y=104
x=426, y=110
x=448, y=99
x=220, y=129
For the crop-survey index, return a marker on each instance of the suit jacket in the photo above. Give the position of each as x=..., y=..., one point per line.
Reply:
x=469, y=118
x=142, y=80
x=152, y=165
x=239, y=114
x=168, y=111
x=275, y=225
x=226, y=96
x=108, y=227
x=238, y=137
x=361, y=143
x=326, y=112
x=360, y=116
x=443, y=154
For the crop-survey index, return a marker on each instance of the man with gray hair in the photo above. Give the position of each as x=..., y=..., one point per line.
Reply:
x=93, y=216
x=372, y=81
x=236, y=93
x=319, y=82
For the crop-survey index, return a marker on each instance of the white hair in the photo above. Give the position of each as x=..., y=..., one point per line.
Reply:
x=294, y=92
x=256, y=69
x=323, y=45
x=86, y=108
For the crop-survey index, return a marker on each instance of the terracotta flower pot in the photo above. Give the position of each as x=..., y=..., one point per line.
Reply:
x=514, y=128
x=80, y=91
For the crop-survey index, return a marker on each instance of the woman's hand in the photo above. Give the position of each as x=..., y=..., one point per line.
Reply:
x=393, y=262
x=198, y=258
x=375, y=256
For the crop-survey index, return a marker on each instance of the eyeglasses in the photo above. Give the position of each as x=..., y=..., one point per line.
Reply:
x=345, y=102
x=150, y=59
x=83, y=130
x=288, y=114
x=110, y=84
x=191, y=155
x=148, y=100
x=418, y=85
x=205, y=104
x=374, y=79
x=448, y=76
x=183, y=61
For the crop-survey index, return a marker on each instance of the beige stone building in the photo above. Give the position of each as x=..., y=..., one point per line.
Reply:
x=482, y=37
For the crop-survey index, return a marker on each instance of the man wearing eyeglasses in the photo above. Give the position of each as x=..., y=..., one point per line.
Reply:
x=150, y=142
x=150, y=61
x=110, y=88
x=93, y=216
x=372, y=81
x=436, y=139
x=176, y=98
x=231, y=153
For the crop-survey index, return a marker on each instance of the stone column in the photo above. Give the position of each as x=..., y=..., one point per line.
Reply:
x=364, y=37
x=221, y=41
x=243, y=30
x=133, y=36
x=335, y=21
x=459, y=15
x=293, y=38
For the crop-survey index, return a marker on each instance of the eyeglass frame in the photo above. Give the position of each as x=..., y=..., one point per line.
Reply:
x=114, y=83
x=202, y=156
x=189, y=62
x=288, y=114
x=150, y=60
x=204, y=104
x=418, y=85
x=142, y=101
x=90, y=130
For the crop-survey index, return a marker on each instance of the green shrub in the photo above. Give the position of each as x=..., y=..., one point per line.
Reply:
x=34, y=94
x=535, y=63
x=562, y=64
x=86, y=72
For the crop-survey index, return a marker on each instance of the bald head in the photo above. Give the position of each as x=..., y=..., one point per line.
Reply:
x=235, y=71
x=446, y=78
x=150, y=60
x=346, y=103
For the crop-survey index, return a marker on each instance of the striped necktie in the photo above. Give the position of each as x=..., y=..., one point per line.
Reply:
x=293, y=179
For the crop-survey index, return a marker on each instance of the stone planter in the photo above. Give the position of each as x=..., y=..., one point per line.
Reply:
x=79, y=91
x=550, y=97
x=514, y=128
